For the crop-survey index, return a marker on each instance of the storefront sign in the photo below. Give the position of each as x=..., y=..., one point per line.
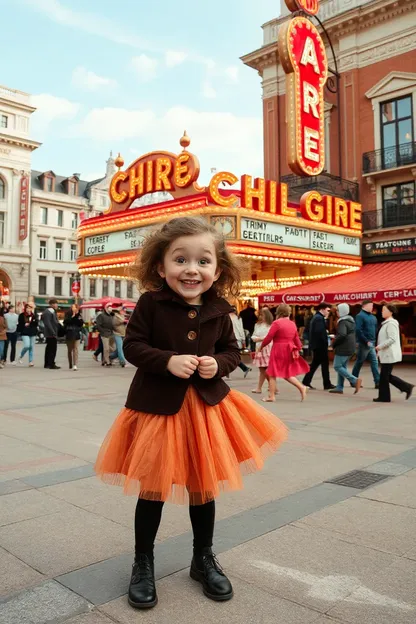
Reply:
x=125, y=240
x=303, y=57
x=310, y=7
x=393, y=248
x=378, y=296
x=253, y=230
x=44, y=301
x=24, y=207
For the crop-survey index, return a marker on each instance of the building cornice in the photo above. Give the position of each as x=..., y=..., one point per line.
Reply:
x=54, y=199
x=18, y=142
x=267, y=56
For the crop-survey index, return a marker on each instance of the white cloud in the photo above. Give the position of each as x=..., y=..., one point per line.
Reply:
x=49, y=109
x=113, y=124
x=208, y=90
x=231, y=73
x=145, y=67
x=175, y=57
x=221, y=140
x=86, y=79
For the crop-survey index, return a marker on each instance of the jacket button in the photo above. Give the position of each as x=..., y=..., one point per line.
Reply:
x=192, y=314
x=191, y=335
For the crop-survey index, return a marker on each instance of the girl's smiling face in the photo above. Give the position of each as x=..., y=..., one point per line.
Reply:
x=190, y=266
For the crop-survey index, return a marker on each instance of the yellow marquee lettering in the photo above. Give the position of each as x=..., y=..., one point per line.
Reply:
x=310, y=99
x=311, y=144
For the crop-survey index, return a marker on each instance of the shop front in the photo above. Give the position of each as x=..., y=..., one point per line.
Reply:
x=41, y=303
x=280, y=243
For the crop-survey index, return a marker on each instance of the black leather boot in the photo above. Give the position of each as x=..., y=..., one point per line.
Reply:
x=206, y=569
x=142, y=589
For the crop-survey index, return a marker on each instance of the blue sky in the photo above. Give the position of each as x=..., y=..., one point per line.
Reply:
x=131, y=76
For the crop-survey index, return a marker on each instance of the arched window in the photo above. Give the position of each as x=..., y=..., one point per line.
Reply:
x=2, y=188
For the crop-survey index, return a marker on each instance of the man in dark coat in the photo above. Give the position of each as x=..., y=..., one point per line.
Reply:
x=249, y=318
x=344, y=347
x=51, y=331
x=318, y=344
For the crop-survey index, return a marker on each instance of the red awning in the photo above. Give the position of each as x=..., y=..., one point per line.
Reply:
x=386, y=281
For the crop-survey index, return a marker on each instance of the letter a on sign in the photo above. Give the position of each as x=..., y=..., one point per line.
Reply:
x=303, y=57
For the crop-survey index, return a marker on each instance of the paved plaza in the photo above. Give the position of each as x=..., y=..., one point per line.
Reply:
x=298, y=548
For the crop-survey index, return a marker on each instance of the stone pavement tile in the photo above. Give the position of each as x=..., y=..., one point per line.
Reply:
x=29, y=504
x=378, y=420
x=310, y=567
x=388, y=468
x=388, y=528
x=95, y=617
x=60, y=476
x=85, y=492
x=15, y=575
x=181, y=601
x=62, y=542
x=399, y=491
x=15, y=451
x=408, y=458
x=13, y=485
x=30, y=469
x=387, y=597
x=49, y=602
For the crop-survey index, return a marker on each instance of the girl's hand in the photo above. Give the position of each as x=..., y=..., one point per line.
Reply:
x=208, y=367
x=183, y=366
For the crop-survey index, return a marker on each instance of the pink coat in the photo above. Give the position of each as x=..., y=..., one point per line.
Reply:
x=284, y=362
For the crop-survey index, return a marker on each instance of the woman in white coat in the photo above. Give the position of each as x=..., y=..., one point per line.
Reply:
x=389, y=352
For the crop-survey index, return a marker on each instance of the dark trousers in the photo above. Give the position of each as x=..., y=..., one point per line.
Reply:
x=11, y=340
x=386, y=378
x=100, y=349
x=50, y=352
x=320, y=359
x=147, y=521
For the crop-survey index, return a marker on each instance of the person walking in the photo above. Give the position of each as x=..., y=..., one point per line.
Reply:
x=285, y=359
x=73, y=324
x=240, y=336
x=389, y=352
x=249, y=317
x=12, y=320
x=27, y=327
x=262, y=357
x=3, y=335
x=366, y=333
x=318, y=344
x=52, y=329
x=119, y=329
x=184, y=435
x=104, y=322
x=344, y=348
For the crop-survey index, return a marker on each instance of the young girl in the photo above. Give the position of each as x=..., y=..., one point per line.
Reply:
x=183, y=434
x=262, y=357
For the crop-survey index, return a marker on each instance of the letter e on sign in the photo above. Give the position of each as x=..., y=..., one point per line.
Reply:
x=303, y=57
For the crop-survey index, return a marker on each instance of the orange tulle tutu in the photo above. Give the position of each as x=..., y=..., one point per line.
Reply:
x=192, y=455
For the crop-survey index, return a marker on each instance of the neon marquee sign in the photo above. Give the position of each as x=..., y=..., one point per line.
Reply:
x=310, y=7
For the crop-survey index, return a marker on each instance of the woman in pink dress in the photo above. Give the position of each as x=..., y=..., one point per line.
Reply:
x=262, y=358
x=285, y=360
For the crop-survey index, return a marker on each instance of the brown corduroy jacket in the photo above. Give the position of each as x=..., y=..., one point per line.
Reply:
x=163, y=325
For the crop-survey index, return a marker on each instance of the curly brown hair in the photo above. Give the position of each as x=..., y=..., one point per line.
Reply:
x=145, y=268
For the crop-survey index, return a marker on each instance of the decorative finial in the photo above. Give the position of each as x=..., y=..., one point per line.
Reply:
x=119, y=161
x=185, y=140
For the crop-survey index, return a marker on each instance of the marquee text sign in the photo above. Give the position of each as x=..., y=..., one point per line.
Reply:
x=303, y=57
x=256, y=231
x=355, y=297
x=391, y=248
x=24, y=207
x=251, y=231
x=310, y=7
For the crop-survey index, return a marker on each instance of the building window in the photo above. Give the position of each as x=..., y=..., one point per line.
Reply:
x=44, y=216
x=105, y=287
x=117, y=288
x=129, y=290
x=72, y=188
x=2, y=188
x=103, y=200
x=93, y=284
x=42, y=250
x=49, y=183
x=399, y=204
x=74, y=220
x=58, y=286
x=42, y=285
x=2, y=228
x=3, y=121
x=58, y=251
x=397, y=132
x=73, y=253
x=59, y=218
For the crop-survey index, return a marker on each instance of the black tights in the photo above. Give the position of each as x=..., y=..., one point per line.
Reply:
x=149, y=514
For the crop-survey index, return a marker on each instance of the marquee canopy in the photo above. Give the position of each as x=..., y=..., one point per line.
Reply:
x=386, y=281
